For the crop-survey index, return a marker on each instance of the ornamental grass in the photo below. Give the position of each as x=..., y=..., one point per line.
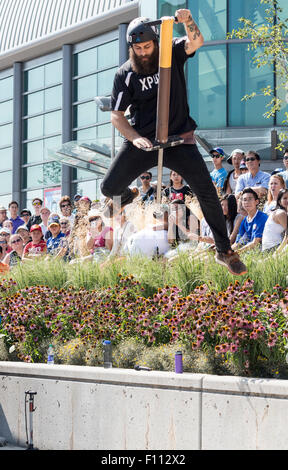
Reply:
x=236, y=330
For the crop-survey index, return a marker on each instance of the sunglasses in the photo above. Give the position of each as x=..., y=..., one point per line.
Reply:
x=285, y=158
x=214, y=155
x=25, y=215
x=63, y=223
x=94, y=218
x=65, y=205
x=145, y=177
x=16, y=241
x=37, y=203
x=252, y=159
x=3, y=242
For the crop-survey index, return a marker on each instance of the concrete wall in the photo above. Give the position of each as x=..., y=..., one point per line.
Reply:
x=92, y=408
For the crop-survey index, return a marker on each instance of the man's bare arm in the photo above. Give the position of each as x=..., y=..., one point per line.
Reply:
x=122, y=124
x=194, y=37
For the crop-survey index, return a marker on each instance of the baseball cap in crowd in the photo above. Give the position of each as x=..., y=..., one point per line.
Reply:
x=218, y=150
x=54, y=220
x=243, y=165
x=85, y=198
x=4, y=230
x=277, y=170
x=25, y=212
x=35, y=227
x=22, y=227
x=77, y=197
x=2, y=209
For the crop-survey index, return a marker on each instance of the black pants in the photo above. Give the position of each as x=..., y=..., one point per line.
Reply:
x=187, y=161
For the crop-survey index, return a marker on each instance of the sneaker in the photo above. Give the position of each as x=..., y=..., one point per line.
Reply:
x=111, y=209
x=231, y=260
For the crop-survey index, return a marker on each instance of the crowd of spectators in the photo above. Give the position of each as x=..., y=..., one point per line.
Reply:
x=254, y=204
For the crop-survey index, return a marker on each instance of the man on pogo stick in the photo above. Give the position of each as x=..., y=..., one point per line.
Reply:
x=135, y=87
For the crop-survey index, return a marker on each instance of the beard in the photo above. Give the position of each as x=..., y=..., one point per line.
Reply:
x=147, y=66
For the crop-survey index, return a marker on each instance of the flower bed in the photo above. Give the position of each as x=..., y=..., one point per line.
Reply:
x=231, y=331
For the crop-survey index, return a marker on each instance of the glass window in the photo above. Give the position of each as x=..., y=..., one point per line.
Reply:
x=207, y=87
x=85, y=88
x=52, y=173
x=5, y=182
x=34, y=103
x=33, y=151
x=6, y=88
x=33, y=128
x=34, y=79
x=282, y=93
x=5, y=199
x=86, y=134
x=53, y=123
x=6, y=158
x=87, y=188
x=210, y=16
x=33, y=176
x=53, y=98
x=85, y=114
x=51, y=143
x=168, y=8
x=6, y=135
x=284, y=6
x=6, y=112
x=108, y=55
x=85, y=62
x=245, y=78
x=105, y=82
x=53, y=73
x=251, y=9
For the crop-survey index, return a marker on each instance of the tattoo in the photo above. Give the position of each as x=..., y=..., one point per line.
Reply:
x=193, y=28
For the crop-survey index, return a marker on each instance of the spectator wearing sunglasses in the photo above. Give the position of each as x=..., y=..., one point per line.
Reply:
x=35, y=219
x=15, y=256
x=65, y=205
x=147, y=192
x=219, y=174
x=25, y=214
x=254, y=178
x=284, y=173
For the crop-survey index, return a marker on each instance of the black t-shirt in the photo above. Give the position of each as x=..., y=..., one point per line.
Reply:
x=173, y=193
x=139, y=92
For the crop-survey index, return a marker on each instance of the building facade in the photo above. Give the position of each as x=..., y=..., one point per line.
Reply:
x=57, y=56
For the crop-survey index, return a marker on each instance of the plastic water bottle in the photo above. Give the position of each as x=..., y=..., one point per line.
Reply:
x=50, y=359
x=107, y=354
x=178, y=362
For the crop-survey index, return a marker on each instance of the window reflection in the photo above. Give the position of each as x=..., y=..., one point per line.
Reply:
x=6, y=135
x=210, y=15
x=245, y=78
x=207, y=87
x=5, y=183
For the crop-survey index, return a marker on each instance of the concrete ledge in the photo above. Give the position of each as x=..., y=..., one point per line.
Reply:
x=118, y=409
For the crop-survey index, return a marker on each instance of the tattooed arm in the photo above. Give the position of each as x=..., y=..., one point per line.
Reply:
x=194, y=37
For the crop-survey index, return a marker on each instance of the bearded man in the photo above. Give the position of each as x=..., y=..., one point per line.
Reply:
x=135, y=87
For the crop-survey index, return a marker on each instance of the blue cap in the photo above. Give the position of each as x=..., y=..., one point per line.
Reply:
x=218, y=150
x=106, y=341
